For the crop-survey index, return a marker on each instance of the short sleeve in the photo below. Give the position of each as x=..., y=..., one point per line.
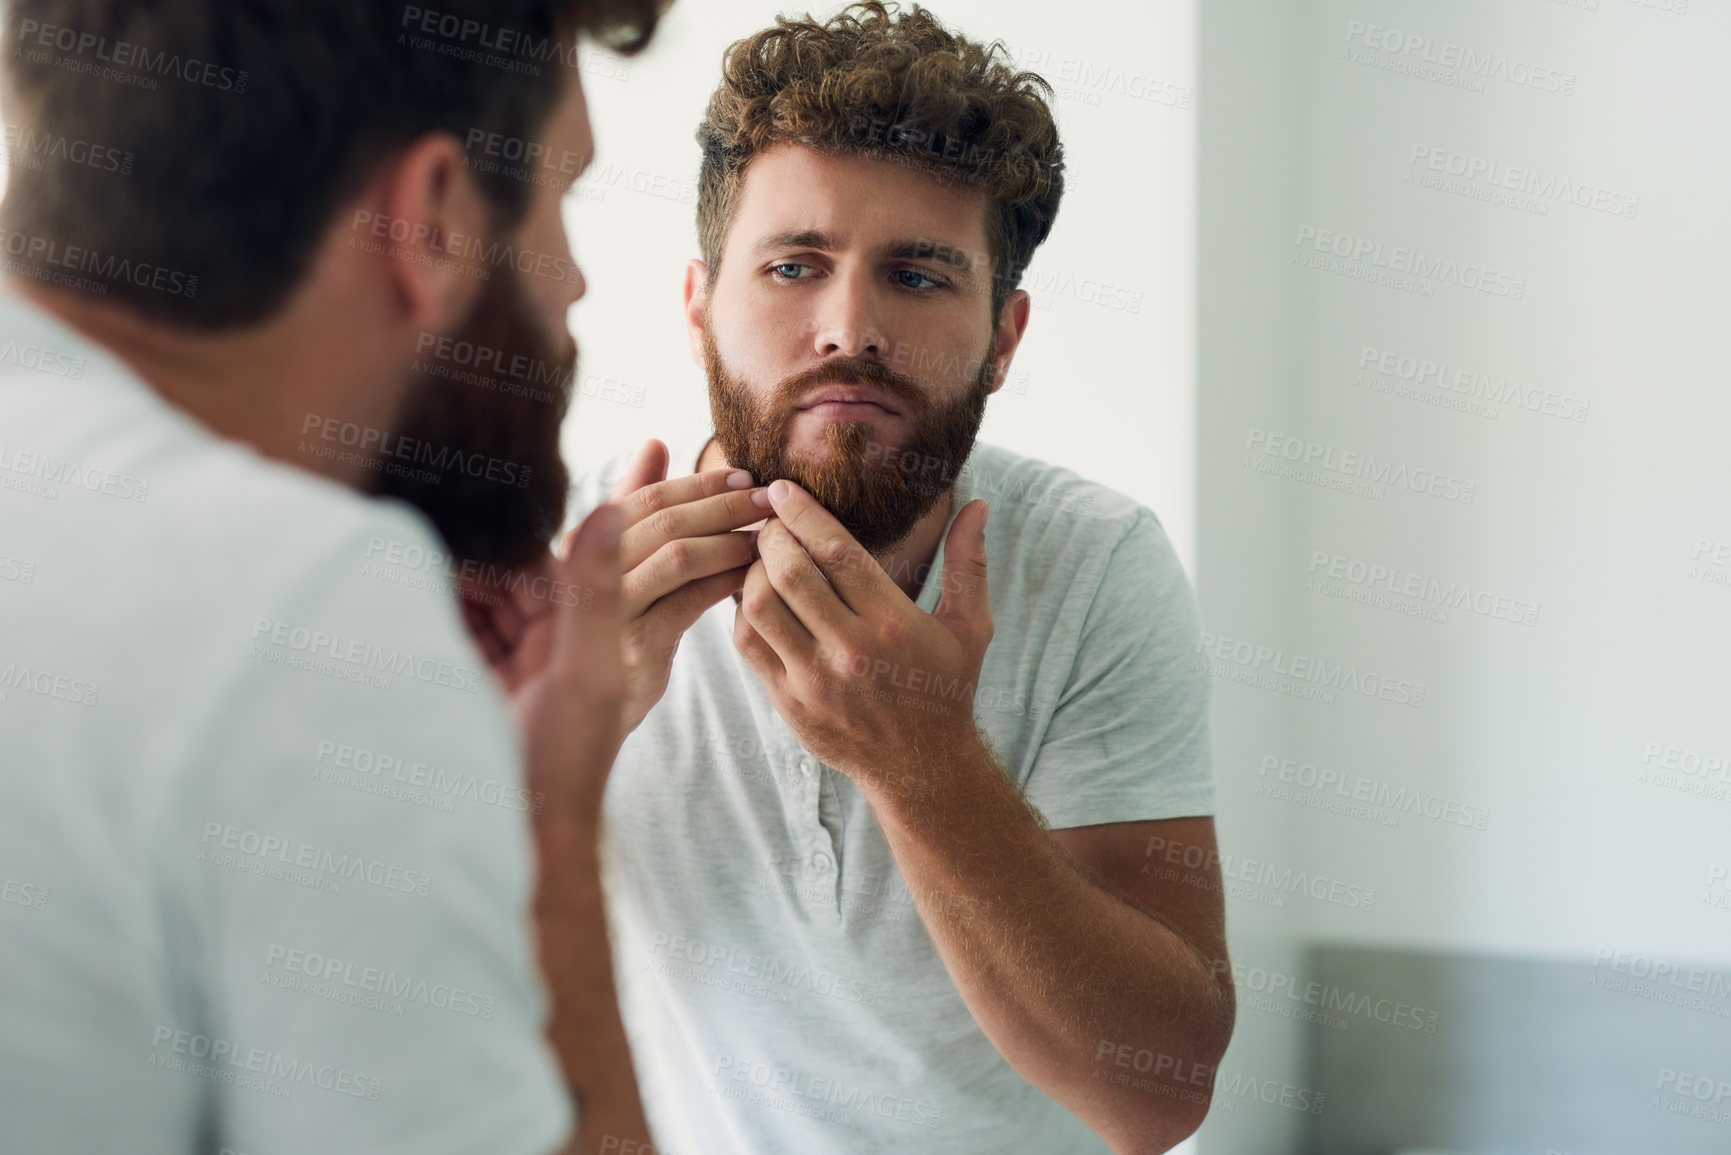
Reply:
x=350, y=872
x=1128, y=740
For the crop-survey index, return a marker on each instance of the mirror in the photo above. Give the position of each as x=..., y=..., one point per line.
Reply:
x=1400, y=320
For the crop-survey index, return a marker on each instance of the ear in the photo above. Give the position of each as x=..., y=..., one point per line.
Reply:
x=696, y=306
x=1012, y=323
x=436, y=224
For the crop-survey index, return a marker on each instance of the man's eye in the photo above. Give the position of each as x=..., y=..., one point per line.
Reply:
x=790, y=271
x=914, y=279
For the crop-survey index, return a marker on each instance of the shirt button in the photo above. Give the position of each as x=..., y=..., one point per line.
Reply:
x=806, y=766
x=820, y=861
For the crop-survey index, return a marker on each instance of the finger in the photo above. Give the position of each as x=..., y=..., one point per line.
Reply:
x=964, y=602
x=758, y=654
x=587, y=634
x=856, y=576
x=647, y=468
x=681, y=562
x=764, y=610
x=678, y=611
x=657, y=496
x=800, y=585
x=698, y=517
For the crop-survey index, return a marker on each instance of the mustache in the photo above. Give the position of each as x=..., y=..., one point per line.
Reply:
x=854, y=370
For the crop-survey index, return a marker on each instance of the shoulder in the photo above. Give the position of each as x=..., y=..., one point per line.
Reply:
x=1053, y=508
x=234, y=611
x=132, y=475
x=168, y=540
x=220, y=513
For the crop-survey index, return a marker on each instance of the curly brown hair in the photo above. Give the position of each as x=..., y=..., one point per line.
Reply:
x=879, y=82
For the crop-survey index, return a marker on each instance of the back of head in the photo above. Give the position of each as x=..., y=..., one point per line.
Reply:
x=880, y=82
x=184, y=156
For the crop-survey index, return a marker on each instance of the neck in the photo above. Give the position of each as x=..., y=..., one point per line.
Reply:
x=274, y=386
x=908, y=564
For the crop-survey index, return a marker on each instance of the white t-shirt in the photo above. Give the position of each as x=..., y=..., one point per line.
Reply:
x=782, y=994
x=264, y=858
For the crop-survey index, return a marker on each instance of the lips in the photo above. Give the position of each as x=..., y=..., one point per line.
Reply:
x=849, y=395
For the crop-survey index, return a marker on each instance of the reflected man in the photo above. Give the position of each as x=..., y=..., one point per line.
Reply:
x=880, y=869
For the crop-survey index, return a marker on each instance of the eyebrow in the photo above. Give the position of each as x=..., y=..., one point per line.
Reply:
x=803, y=239
x=910, y=249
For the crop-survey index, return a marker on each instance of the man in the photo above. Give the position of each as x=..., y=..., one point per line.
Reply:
x=270, y=843
x=880, y=868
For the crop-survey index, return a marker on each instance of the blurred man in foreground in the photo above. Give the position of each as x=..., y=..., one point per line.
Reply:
x=278, y=865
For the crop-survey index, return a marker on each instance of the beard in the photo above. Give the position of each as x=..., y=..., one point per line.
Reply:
x=878, y=491
x=484, y=409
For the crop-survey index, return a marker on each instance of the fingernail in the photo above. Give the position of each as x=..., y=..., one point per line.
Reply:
x=778, y=490
x=761, y=499
x=739, y=479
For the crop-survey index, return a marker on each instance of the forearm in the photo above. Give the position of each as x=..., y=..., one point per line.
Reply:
x=586, y=1030
x=1053, y=968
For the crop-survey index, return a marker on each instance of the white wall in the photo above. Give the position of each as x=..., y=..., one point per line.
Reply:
x=1248, y=324
x=1104, y=388
x=1597, y=521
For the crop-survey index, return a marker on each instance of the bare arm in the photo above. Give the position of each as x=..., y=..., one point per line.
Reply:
x=1104, y=996
x=586, y=1030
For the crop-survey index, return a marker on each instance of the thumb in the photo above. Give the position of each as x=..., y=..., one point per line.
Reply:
x=588, y=632
x=647, y=468
x=964, y=600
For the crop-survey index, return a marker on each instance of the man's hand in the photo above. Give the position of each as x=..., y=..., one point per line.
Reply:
x=872, y=685
x=568, y=665
x=552, y=635
x=681, y=555
x=498, y=617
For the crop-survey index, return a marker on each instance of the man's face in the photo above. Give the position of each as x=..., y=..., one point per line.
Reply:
x=848, y=335
x=491, y=478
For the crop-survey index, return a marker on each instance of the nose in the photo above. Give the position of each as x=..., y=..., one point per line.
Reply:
x=848, y=323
